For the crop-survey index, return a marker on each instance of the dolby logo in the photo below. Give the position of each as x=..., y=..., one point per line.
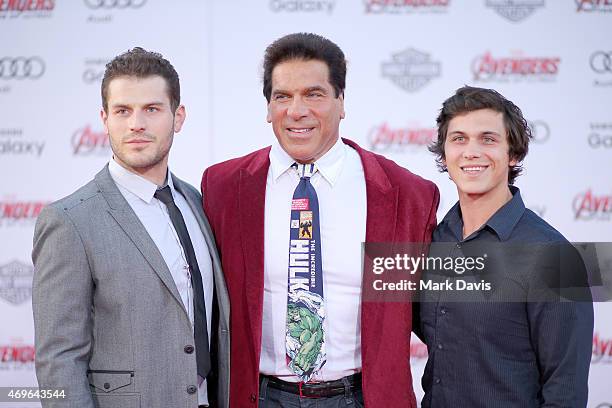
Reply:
x=302, y=6
x=515, y=10
x=405, y=6
x=411, y=69
x=12, y=143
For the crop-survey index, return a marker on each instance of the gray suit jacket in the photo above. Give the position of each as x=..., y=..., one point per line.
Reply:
x=110, y=327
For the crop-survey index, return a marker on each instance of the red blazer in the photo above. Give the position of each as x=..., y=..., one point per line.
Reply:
x=401, y=207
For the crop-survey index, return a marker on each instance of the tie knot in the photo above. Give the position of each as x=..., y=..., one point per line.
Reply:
x=305, y=170
x=164, y=195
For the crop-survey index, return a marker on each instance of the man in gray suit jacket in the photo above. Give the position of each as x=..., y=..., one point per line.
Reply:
x=130, y=304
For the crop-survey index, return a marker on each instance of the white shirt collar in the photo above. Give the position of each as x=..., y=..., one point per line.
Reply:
x=134, y=183
x=329, y=165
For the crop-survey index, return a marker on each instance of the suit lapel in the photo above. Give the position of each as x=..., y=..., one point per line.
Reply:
x=195, y=203
x=251, y=207
x=123, y=214
x=382, y=205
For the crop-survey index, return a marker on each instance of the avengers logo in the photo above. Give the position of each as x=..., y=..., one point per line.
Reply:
x=405, y=6
x=411, y=69
x=114, y=4
x=383, y=138
x=86, y=142
x=515, y=10
x=21, y=67
x=602, y=350
x=17, y=356
x=16, y=282
x=488, y=68
x=601, y=62
x=588, y=206
x=594, y=5
x=540, y=131
x=12, y=211
x=20, y=6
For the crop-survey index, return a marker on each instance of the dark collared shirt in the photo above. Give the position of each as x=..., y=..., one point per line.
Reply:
x=504, y=354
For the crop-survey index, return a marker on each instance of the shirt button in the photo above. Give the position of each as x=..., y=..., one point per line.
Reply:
x=458, y=245
x=440, y=347
x=191, y=389
x=188, y=349
x=437, y=380
x=253, y=398
x=443, y=310
x=106, y=386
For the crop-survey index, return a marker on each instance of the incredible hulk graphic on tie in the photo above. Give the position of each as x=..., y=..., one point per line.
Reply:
x=305, y=336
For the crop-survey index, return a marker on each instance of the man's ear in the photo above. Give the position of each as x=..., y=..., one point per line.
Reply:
x=104, y=117
x=179, y=118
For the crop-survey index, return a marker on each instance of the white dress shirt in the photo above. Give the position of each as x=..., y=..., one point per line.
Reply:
x=153, y=214
x=341, y=192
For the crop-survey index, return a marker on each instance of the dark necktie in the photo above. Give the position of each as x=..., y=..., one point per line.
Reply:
x=305, y=337
x=200, y=329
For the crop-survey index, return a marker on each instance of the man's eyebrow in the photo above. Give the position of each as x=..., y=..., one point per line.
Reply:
x=124, y=105
x=316, y=88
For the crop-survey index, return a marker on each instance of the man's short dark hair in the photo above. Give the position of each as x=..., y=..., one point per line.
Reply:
x=469, y=99
x=305, y=46
x=141, y=63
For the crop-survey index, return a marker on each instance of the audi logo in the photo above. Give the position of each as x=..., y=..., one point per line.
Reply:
x=110, y=4
x=601, y=62
x=539, y=131
x=21, y=67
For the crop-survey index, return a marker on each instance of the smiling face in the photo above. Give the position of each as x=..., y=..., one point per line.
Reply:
x=141, y=124
x=303, y=109
x=477, y=155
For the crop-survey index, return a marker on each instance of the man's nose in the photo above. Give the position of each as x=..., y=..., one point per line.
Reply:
x=297, y=109
x=137, y=122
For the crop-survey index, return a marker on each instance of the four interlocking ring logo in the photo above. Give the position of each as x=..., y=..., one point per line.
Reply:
x=601, y=62
x=110, y=4
x=21, y=67
x=539, y=131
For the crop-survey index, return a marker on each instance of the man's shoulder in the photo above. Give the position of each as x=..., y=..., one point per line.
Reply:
x=226, y=171
x=537, y=229
x=397, y=175
x=79, y=197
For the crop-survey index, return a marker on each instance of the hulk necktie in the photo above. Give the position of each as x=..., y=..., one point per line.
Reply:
x=305, y=340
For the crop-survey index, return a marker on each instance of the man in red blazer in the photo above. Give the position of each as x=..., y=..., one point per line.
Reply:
x=350, y=350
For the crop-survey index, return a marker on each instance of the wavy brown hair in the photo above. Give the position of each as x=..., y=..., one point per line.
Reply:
x=469, y=99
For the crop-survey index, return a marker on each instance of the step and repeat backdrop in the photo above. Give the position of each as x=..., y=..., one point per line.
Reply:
x=552, y=58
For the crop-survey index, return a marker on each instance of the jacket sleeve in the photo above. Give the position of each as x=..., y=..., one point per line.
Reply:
x=62, y=303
